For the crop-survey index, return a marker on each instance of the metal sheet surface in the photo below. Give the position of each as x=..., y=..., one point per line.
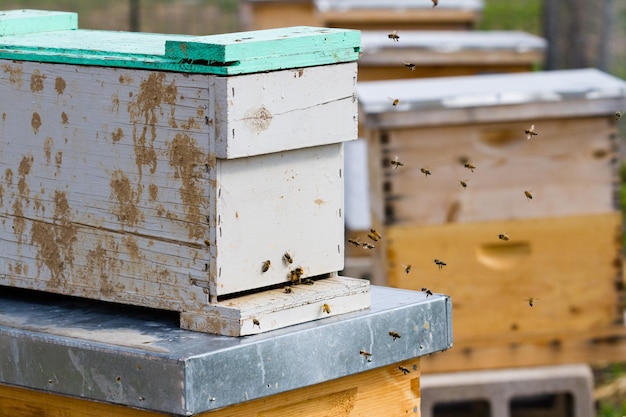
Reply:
x=140, y=358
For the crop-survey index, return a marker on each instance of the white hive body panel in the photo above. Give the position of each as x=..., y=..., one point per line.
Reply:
x=282, y=110
x=276, y=203
x=102, y=180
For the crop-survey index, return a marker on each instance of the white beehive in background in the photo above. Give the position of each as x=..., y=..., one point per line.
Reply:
x=167, y=170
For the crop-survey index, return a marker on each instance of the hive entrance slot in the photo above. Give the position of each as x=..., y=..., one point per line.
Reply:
x=305, y=282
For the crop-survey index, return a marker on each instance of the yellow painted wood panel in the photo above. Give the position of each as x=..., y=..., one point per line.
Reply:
x=572, y=265
x=383, y=392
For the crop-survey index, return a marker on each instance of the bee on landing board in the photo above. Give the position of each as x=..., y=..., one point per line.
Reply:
x=287, y=290
x=394, y=36
x=425, y=171
x=326, y=308
x=440, y=264
x=530, y=132
x=255, y=322
x=469, y=166
x=396, y=163
x=503, y=236
x=528, y=195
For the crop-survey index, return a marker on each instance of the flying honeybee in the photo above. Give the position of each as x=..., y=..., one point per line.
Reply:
x=326, y=308
x=407, y=268
x=372, y=236
x=376, y=233
x=439, y=263
x=395, y=101
x=528, y=195
x=469, y=166
x=395, y=335
x=463, y=183
x=404, y=370
x=530, y=132
x=355, y=242
x=365, y=353
x=435, y=3
x=368, y=245
x=618, y=114
x=396, y=163
x=427, y=291
x=409, y=66
x=425, y=171
x=531, y=301
x=503, y=236
x=287, y=257
x=266, y=265
x=394, y=36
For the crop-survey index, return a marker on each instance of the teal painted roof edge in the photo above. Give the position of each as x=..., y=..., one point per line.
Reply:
x=227, y=54
x=16, y=22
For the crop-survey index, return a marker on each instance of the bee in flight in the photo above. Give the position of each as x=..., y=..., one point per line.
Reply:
x=394, y=36
x=463, y=183
x=395, y=101
x=530, y=132
x=503, y=236
x=409, y=66
x=376, y=233
x=425, y=171
x=287, y=257
x=266, y=265
x=618, y=115
x=427, y=291
x=326, y=308
x=469, y=166
x=528, y=195
x=395, y=335
x=404, y=370
x=435, y=3
x=396, y=163
x=355, y=242
x=531, y=301
x=368, y=245
x=373, y=237
x=365, y=353
x=439, y=263
x=407, y=268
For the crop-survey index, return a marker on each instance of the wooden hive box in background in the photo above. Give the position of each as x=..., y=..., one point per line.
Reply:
x=165, y=170
x=445, y=53
x=564, y=244
x=362, y=14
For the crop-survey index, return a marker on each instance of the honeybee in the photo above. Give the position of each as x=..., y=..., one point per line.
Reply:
x=394, y=101
x=368, y=245
x=463, y=183
x=439, y=263
x=407, y=268
x=531, y=301
x=618, y=114
x=255, y=322
x=503, y=236
x=296, y=275
x=326, y=308
x=469, y=166
x=396, y=163
x=287, y=257
x=266, y=265
x=425, y=171
x=376, y=233
x=435, y=3
x=365, y=353
x=207, y=242
x=355, y=242
x=409, y=66
x=530, y=132
x=427, y=291
x=395, y=335
x=528, y=195
x=287, y=290
x=394, y=36
x=308, y=281
x=404, y=370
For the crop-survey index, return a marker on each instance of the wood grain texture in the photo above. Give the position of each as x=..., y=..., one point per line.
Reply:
x=381, y=392
x=571, y=265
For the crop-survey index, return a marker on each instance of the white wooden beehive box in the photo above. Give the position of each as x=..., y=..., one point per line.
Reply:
x=165, y=170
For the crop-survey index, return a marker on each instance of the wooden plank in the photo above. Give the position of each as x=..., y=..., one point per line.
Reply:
x=255, y=15
x=380, y=392
x=571, y=160
x=570, y=264
x=19, y=22
x=399, y=72
x=279, y=116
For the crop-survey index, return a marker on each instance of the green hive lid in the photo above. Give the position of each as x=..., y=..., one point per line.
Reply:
x=43, y=36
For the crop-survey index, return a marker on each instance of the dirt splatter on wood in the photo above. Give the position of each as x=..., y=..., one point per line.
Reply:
x=59, y=85
x=15, y=74
x=258, y=118
x=125, y=79
x=115, y=103
x=153, y=192
x=8, y=177
x=64, y=118
x=23, y=170
x=117, y=135
x=126, y=199
x=35, y=122
x=36, y=81
x=48, y=143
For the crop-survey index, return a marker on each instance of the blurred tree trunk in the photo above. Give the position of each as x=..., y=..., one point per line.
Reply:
x=133, y=20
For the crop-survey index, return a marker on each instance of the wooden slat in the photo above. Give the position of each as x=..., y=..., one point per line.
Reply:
x=398, y=72
x=267, y=15
x=571, y=264
x=19, y=22
x=381, y=392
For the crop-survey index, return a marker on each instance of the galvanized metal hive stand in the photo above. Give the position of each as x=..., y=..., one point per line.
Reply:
x=166, y=171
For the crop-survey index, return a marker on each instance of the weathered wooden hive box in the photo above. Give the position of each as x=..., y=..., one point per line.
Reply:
x=552, y=197
x=362, y=14
x=176, y=172
x=445, y=53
